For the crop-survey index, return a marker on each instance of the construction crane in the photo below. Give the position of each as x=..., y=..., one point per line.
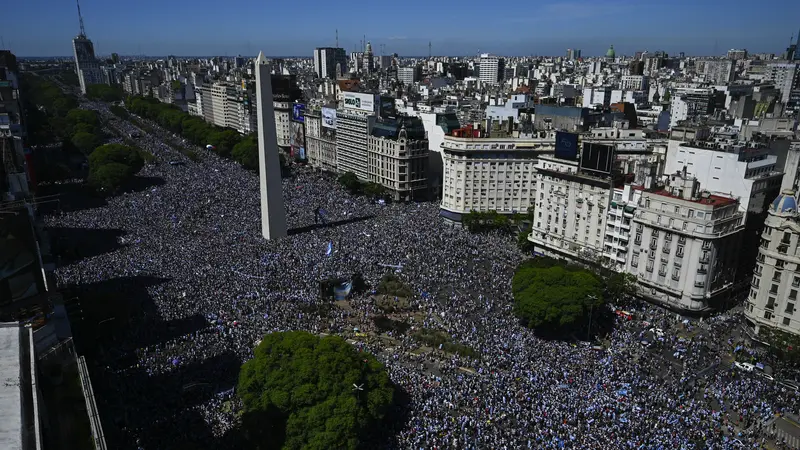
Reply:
x=80, y=18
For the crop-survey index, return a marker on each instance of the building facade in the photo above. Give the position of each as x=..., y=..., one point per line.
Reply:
x=86, y=65
x=490, y=69
x=330, y=62
x=397, y=155
x=690, y=104
x=685, y=246
x=489, y=174
x=320, y=141
x=353, y=127
x=776, y=281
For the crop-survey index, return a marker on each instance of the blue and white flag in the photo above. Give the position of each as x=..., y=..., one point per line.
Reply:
x=330, y=249
x=343, y=290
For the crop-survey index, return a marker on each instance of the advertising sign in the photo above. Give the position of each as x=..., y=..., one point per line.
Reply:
x=387, y=107
x=329, y=118
x=566, y=145
x=297, y=141
x=359, y=101
x=299, y=112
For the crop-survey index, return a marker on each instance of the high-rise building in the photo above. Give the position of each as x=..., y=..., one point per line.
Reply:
x=398, y=157
x=368, y=62
x=273, y=211
x=737, y=54
x=785, y=76
x=690, y=104
x=86, y=65
x=406, y=75
x=330, y=62
x=491, y=68
x=355, y=118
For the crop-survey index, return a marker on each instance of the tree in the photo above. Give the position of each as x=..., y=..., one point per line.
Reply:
x=350, y=182
x=82, y=116
x=246, y=153
x=298, y=392
x=116, y=153
x=104, y=92
x=374, y=190
x=523, y=242
x=85, y=142
x=175, y=85
x=109, y=177
x=620, y=288
x=554, y=296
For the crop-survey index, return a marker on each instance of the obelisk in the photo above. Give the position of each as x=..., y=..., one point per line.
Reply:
x=273, y=213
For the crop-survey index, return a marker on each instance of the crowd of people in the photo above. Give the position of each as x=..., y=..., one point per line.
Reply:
x=200, y=233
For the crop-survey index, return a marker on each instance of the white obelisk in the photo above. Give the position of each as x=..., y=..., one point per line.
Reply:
x=273, y=213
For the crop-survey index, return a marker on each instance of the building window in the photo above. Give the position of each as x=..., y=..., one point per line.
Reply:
x=773, y=289
x=789, y=308
x=768, y=315
x=776, y=277
x=679, y=253
x=787, y=321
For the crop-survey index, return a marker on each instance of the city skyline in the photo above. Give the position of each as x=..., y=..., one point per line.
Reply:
x=549, y=31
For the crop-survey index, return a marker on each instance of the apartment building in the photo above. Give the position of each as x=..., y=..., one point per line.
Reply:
x=488, y=174
x=355, y=118
x=776, y=278
x=690, y=104
x=635, y=83
x=570, y=212
x=785, y=76
x=618, y=226
x=686, y=245
x=330, y=62
x=321, y=138
x=719, y=71
x=397, y=155
x=491, y=69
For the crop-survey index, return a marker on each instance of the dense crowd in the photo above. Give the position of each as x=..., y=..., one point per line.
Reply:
x=200, y=232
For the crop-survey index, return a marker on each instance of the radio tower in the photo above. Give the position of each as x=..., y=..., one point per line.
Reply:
x=429, y=50
x=80, y=18
x=337, y=38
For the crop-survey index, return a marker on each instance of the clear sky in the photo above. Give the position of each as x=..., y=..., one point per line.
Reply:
x=455, y=27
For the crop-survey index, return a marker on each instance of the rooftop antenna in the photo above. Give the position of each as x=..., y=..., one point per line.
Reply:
x=364, y=44
x=429, y=50
x=337, y=38
x=80, y=18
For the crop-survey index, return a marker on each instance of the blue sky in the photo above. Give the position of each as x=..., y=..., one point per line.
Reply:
x=464, y=27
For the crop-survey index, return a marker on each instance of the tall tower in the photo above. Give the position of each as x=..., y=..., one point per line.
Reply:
x=273, y=212
x=86, y=65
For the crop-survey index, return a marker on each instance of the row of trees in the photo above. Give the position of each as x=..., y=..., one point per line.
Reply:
x=556, y=297
x=227, y=142
x=104, y=92
x=355, y=186
x=113, y=165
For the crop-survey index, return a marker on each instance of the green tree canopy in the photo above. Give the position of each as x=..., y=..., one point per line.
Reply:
x=83, y=116
x=553, y=296
x=350, y=182
x=298, y=393
x=116, y=153
x=246, y=152
x=85, y=142
x=104, y=92
x=109, y=177
x=620, y=288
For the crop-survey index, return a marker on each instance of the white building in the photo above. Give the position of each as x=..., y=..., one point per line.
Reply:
x=791, y=167
x=489, y=68
x=635, y=83
x=330, y=62
x=407, y=75
x=618, y=227
x=785, y=76
x=776, y=282
x=686, y=245
x=740, y=171
x=355, y=118
x=489, y=174
x=570, y=211
x=719, y=71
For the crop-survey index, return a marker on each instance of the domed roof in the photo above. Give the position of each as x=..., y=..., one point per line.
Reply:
x=611, y=53
x=786, y=203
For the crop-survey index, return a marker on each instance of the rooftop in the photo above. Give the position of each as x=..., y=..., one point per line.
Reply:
x=717, y=201
x=10, y=395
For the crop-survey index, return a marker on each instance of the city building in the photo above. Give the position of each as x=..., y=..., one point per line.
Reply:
x=691, y=104
x=618, y=226
x=570, y=212
x=355, y=118
x=407, y=75
x=86, y=65
x=686, y=245
x=321, y=138
x=330, y=62
x=489, y=173
x=776, y=281
x=15, y=172
x=786, y=78
x=737, y=54
x=635, y=83
x=397, y=152
x=720, y=71
x=285, y=93
x=491, y=69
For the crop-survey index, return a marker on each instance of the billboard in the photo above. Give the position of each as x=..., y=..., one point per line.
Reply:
x=299, y=112
x=566, y=145
x=597, y=158
x=297, y=141
x=387, y=108
x=359, y=101
x=329, y=118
